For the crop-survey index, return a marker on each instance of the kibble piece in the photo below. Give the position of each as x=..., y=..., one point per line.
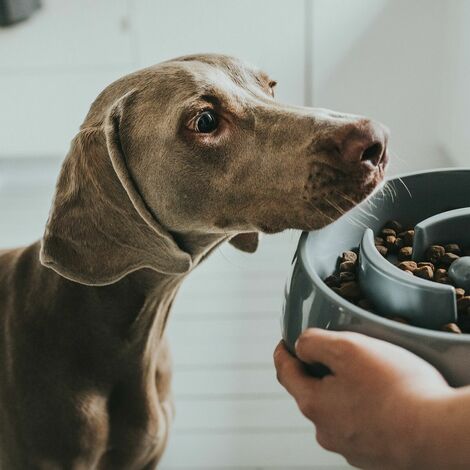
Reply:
x=347, y=266
x=333, y=281
x=434, y=253
x=439, y=274
x=407, y=237
x=405, y=253
x=390, y=242
x=451, y=328
x=453, y=248
x=394, y=225
x=443, y=280
x=351, y=290
x=426, y=263
x=347, y=276
x=463, y=305
x=379, y=241
x=447, y=259
x=424, y=272
x=408, y=265
x=459, y=293
x=349, y=256
x=365, y=304
x=407, y=271
x=337, y=290
x=399, y=243
x=387, y=232
x=382, y=250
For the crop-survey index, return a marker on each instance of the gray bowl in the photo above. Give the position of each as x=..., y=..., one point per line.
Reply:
x=309, y=302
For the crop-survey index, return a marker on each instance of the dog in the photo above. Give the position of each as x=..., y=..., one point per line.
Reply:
x=170, y=162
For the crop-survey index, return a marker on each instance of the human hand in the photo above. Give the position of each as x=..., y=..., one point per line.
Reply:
x=375, y=406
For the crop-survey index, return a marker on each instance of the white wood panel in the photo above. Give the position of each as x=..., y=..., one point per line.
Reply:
x=225, y=342
x=22, y=218
x=238, y=414
x=363, y=66
x=68, y=34
x=230, y=467
x=41, y=113
x=247, y=449
x=230, y=305
x=268, y=33
x=219, y=287
x=452, y=119
x=257, y=382
x=26, y=188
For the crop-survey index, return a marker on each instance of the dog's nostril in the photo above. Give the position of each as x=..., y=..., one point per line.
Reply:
x=373, y=154
x=362, y=143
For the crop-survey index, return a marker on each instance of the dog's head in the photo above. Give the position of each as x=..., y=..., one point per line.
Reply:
x=198, y=146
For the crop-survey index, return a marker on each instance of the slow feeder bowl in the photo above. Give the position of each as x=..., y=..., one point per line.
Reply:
x=438, y=204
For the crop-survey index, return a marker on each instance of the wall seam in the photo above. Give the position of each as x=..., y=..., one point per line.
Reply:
x=308, y=53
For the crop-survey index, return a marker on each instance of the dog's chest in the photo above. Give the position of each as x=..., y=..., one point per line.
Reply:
x=140, y=412
x=129, y=429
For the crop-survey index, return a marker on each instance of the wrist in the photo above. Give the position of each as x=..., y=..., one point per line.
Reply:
x=437, y=419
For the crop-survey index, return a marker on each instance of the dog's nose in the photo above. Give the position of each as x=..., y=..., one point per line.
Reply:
x=366, y=143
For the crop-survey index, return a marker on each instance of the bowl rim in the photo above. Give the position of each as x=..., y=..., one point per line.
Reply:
x=373, y=317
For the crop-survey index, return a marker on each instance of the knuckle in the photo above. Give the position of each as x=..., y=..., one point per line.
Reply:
x=278, y=356
x=353, y=460
x=281, y=368
x=307, y=408
x=350, y=459
x=345, y=345
x=303, y=343
x=300, y=344
x=325, y=441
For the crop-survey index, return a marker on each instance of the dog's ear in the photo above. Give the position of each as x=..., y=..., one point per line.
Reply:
x=99, y=228
x=246, y=241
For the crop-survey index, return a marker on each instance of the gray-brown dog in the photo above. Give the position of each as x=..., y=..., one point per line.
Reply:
x=170, y=162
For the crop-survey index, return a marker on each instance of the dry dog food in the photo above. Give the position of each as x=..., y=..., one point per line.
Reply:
x=395, y=243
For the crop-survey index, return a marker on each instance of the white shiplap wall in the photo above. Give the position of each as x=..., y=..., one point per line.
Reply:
x=231, y=413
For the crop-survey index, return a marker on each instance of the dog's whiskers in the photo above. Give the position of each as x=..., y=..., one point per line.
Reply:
x=397, y=157
x=355, y=203
x=315, y=208
x=349, y=217
x=335, y=206
x=388, y=192
x=405, y=186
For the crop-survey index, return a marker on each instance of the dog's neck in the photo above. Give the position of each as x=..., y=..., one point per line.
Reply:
x=159, y=290
x=199, y=245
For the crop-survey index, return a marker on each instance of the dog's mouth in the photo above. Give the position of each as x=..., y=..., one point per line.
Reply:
x=331, y=193
x=327, y=195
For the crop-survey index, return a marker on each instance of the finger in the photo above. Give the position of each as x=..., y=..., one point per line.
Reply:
x=331, y=348
x=292, y=375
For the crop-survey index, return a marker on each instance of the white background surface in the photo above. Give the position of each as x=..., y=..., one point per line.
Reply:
x=403, y=62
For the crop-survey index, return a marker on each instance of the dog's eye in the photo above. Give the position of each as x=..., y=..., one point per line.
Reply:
x=206, y=122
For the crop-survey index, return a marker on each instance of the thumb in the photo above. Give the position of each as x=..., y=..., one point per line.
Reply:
x=331, y=348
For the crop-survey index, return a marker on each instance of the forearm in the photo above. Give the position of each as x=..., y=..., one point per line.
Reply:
x=445, y=432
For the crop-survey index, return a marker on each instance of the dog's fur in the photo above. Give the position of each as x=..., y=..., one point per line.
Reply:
x=141, y=199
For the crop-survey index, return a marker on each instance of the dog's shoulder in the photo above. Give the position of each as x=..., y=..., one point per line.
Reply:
x=18, y=263
x=22, y=277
